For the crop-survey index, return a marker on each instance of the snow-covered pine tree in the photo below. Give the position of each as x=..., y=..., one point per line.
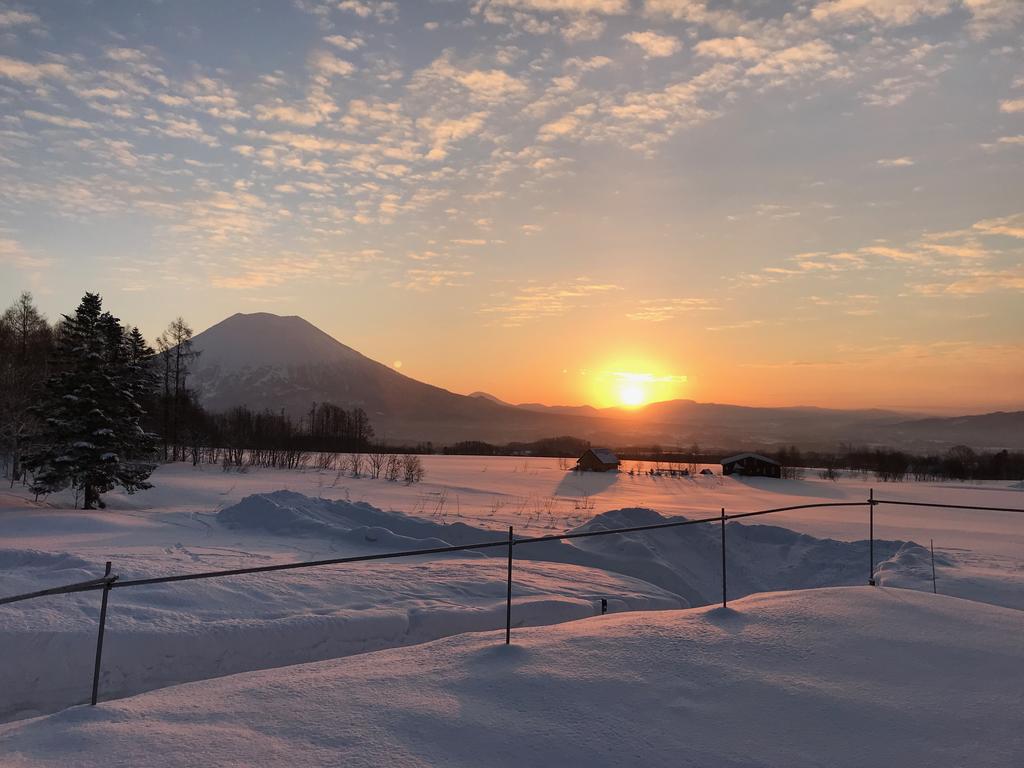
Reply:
x=91, y=438
x=140, y=381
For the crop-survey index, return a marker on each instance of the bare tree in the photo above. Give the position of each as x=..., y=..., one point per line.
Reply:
x=392, y=467
x=174, y=346
x=693, y=459
x=375, y=462
x=355, y=464
x=412, y=468
x=25, y=343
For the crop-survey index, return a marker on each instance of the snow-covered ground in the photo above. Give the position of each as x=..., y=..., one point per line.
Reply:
x=203, y=519
x=837, y=677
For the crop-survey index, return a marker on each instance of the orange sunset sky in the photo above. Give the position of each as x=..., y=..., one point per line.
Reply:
x=558, y=201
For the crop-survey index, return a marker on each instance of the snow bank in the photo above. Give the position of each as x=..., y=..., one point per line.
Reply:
x=287, y=513
x=684, y=560
x=172, y=633
x=167, y=634
x=837, y=677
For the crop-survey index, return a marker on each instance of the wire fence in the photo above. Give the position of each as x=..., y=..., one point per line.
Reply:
x=110, y=581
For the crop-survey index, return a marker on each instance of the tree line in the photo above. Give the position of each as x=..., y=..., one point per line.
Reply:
x=959, y=462
x=87, y=404
x=560, y=447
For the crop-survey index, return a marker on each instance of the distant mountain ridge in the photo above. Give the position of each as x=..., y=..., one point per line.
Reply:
x=267, y=361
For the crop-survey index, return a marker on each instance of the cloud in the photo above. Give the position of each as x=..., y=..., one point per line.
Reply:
x=883, y=12
x=738, y=47
x=269, y=273
x=326, y=65
x=352, y=43
x=382, y=10
x=442, y=133
x=653, y=44
x=536, y=301
x=976, y=283
x=58, y=120
x=583, y=27
x=1011, y=105
x=12, y=252
x=425, y=279
x=610, y=7
x=662, y=310
x=25, y=72
x=126, y=55
x=1009, y=226
x=894, y=254
x=895, y=162
x=681, y=10
x=737, y=326
x=1005, y=141
x=488, y=84
x=12, y=18
x=806, y=57
x=566, y=125
x=993, y=16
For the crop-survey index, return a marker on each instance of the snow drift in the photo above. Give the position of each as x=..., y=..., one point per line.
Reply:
x=172, y=633
x=837, y=677
x=684, y=560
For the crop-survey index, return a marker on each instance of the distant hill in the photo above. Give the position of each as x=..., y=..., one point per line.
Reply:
x=285, y=363
x=1001, y=429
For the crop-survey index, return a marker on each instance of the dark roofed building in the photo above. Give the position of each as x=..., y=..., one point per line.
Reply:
x=598, y=460
x=751, y=465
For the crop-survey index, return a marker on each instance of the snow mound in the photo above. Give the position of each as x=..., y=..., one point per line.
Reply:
x=684, y=560
x=33, y=558
x=837, y=677
x=287, y=513
x=687, y=559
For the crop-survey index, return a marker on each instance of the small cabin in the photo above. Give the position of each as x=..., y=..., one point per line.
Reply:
x=598, y=460
x=751, y=465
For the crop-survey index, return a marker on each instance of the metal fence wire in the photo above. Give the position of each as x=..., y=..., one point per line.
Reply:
x=110, y=581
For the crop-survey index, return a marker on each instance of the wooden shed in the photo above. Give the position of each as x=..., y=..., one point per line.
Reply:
x=751, y=465
x=598, y=460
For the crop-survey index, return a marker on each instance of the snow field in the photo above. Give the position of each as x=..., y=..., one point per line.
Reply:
x=838, y=677
x=204, y=519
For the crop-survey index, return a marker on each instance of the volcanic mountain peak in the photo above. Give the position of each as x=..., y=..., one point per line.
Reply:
x=263, y=339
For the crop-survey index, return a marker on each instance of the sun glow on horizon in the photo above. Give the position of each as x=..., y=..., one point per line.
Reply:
x=632, y=389
x=632, y=395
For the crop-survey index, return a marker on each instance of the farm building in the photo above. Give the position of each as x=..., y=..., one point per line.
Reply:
x=751, y=465
x=598, y=460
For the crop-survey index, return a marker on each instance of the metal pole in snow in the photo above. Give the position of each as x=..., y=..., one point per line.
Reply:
x=99, y=639
x=871, y=536
x=931, y=543
x=724, y=601
x=508, y=599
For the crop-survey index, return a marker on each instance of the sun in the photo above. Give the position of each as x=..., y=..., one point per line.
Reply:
x=632, y=395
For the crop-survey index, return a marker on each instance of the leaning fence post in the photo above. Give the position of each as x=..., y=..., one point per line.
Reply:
x=931, y=543
x=508, y=598
x=724, y=600
x=99, y=639
x=871, y=537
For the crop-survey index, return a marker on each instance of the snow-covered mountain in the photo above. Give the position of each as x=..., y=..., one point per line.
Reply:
x=269, y=361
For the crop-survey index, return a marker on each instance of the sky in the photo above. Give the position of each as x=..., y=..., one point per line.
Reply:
x=559, y=201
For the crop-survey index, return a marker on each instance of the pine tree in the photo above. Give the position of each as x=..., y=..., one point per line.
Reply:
x=91, y=438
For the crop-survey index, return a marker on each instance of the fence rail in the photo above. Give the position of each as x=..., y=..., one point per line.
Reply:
x=109, y=581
